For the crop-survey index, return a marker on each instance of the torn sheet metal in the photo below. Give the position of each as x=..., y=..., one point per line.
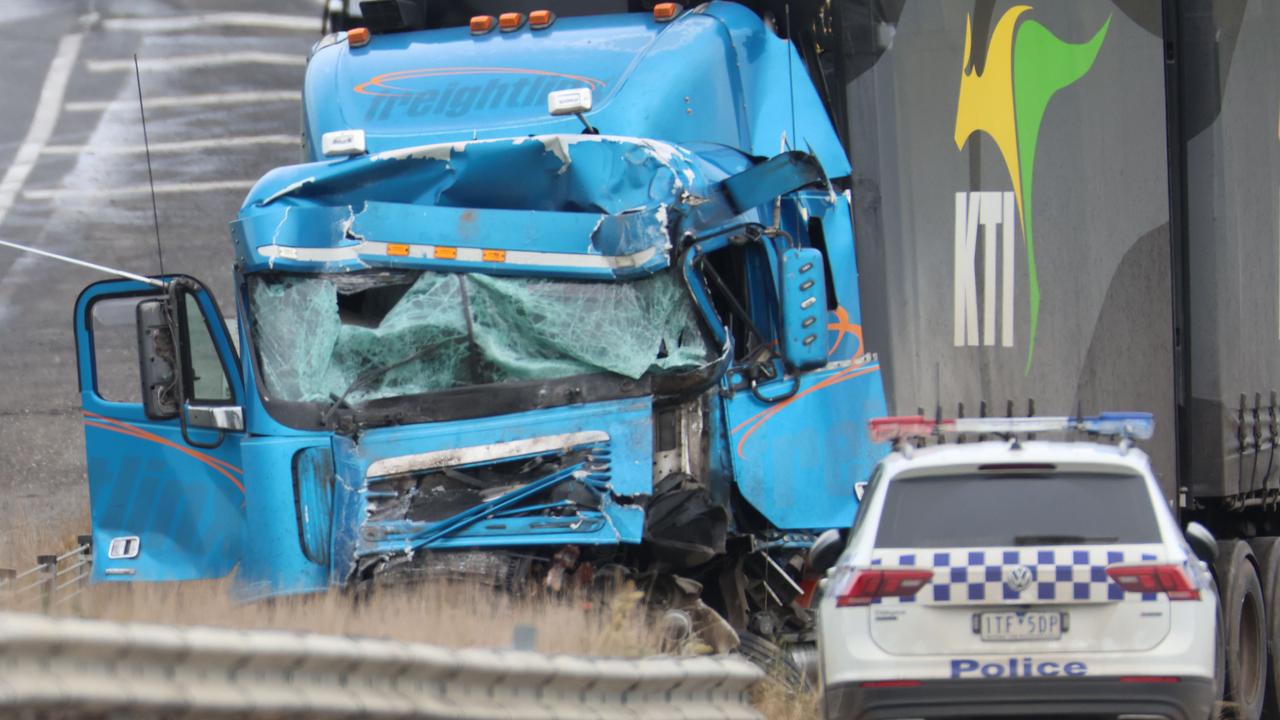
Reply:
x=588, y=490
x=595, y=196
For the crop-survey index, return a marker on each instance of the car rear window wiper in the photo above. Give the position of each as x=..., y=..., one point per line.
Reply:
x=1060, y=540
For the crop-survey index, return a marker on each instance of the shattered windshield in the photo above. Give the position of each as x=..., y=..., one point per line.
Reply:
x=316, y=335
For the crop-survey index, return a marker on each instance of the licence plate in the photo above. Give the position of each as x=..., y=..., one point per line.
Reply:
x=1006, y=626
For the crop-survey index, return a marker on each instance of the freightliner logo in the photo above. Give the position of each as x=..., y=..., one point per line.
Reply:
x=456, y=91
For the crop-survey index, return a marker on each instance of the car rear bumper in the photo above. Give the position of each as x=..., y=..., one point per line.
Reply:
x=1190, y=699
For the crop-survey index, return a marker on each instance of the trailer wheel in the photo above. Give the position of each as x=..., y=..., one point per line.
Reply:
x=1246, y=629
x=1219, y=667
x=1267, y=551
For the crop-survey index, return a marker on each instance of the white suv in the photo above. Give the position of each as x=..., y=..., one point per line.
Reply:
x=1016, y=579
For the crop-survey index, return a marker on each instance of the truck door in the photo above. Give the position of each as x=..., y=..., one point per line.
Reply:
x=797, y=436
x=165, y=486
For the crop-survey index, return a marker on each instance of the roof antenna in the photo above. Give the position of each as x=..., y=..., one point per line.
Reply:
x=791, y=78
x=83, y=263
x=146, y=145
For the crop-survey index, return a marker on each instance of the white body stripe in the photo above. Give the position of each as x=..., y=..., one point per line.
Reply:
x=513, y=257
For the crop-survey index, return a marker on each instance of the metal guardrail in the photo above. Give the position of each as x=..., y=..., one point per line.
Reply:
x=92, y=669
x=56, y=580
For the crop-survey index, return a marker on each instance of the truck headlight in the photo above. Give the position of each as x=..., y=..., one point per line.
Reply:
x=313, y=500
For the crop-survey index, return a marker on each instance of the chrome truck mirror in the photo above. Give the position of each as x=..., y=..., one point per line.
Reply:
x=1202, y=542
x=156, y=360
x=216, y=417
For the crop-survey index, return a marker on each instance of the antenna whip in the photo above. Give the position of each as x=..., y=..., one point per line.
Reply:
x=84, y=263
x=146, y=145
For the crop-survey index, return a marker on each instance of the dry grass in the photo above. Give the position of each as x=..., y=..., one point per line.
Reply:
x=22, y=537
x=779, y=700
x=446, y=614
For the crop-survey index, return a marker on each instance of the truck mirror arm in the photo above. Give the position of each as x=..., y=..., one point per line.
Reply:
x=175, y=291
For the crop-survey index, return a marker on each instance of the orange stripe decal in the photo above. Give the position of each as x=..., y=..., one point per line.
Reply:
x=115, y=426
x=768, y=414
x=134, y=429
x=385, y=80
x=843, y=327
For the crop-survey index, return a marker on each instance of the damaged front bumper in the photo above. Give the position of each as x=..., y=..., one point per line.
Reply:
x=576, y=475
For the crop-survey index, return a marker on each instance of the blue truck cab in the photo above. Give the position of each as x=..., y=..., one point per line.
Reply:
x=475, y=338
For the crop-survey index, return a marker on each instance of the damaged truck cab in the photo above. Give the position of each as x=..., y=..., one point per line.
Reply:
x=476, y=338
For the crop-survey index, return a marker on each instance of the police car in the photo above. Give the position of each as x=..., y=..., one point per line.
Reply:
x=1017, y=578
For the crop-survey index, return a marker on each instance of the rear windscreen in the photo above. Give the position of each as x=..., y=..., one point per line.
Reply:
x=1007, y=511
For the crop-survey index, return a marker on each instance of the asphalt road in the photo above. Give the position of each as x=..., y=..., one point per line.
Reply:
x=221, y=79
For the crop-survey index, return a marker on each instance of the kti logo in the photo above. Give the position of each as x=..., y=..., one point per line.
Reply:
x=1006, y=98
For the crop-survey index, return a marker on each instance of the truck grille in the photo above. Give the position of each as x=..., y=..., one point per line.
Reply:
x=435, y=494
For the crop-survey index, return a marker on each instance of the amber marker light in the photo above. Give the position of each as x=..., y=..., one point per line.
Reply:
x=494, y=256
x=481, y=24
x=358, y=37
x=446, y=253
x=541, y=19
x=398, y=249
x=666, y=12
x=510, y=22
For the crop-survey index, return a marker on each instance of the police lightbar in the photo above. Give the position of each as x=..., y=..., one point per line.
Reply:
x=1139, y=425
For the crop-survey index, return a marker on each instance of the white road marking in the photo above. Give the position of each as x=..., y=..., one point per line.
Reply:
x=180, y=23
x=42, y=123
x=125, y=191
x=188, y=62
x=228, y=98
x=175, y=147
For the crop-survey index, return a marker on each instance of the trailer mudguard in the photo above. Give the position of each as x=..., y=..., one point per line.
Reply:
x=162, y=508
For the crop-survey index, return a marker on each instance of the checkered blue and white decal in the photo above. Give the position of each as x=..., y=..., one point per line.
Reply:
x=1066, y=574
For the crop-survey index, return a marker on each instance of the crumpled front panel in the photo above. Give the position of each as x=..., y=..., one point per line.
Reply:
x=316, y=335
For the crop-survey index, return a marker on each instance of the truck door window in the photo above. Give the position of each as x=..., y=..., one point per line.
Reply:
x=749, y=285
x=115, y=349
x=207, y=379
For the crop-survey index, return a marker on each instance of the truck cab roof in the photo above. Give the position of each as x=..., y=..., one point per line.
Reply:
x=715, y=74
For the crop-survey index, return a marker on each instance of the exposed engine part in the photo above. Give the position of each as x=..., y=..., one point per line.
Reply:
x=677, y=628
x=684, y=526
x=504, y=571
x=678, y=443
x=773, y=659
x=563, y=562
x=684, y=594
x=439, y=494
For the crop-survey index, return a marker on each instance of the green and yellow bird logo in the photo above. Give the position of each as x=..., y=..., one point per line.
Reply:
x=1026, y=65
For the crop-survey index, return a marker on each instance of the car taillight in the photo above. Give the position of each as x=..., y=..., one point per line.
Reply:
x=1171, y=580
x=870, y=584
